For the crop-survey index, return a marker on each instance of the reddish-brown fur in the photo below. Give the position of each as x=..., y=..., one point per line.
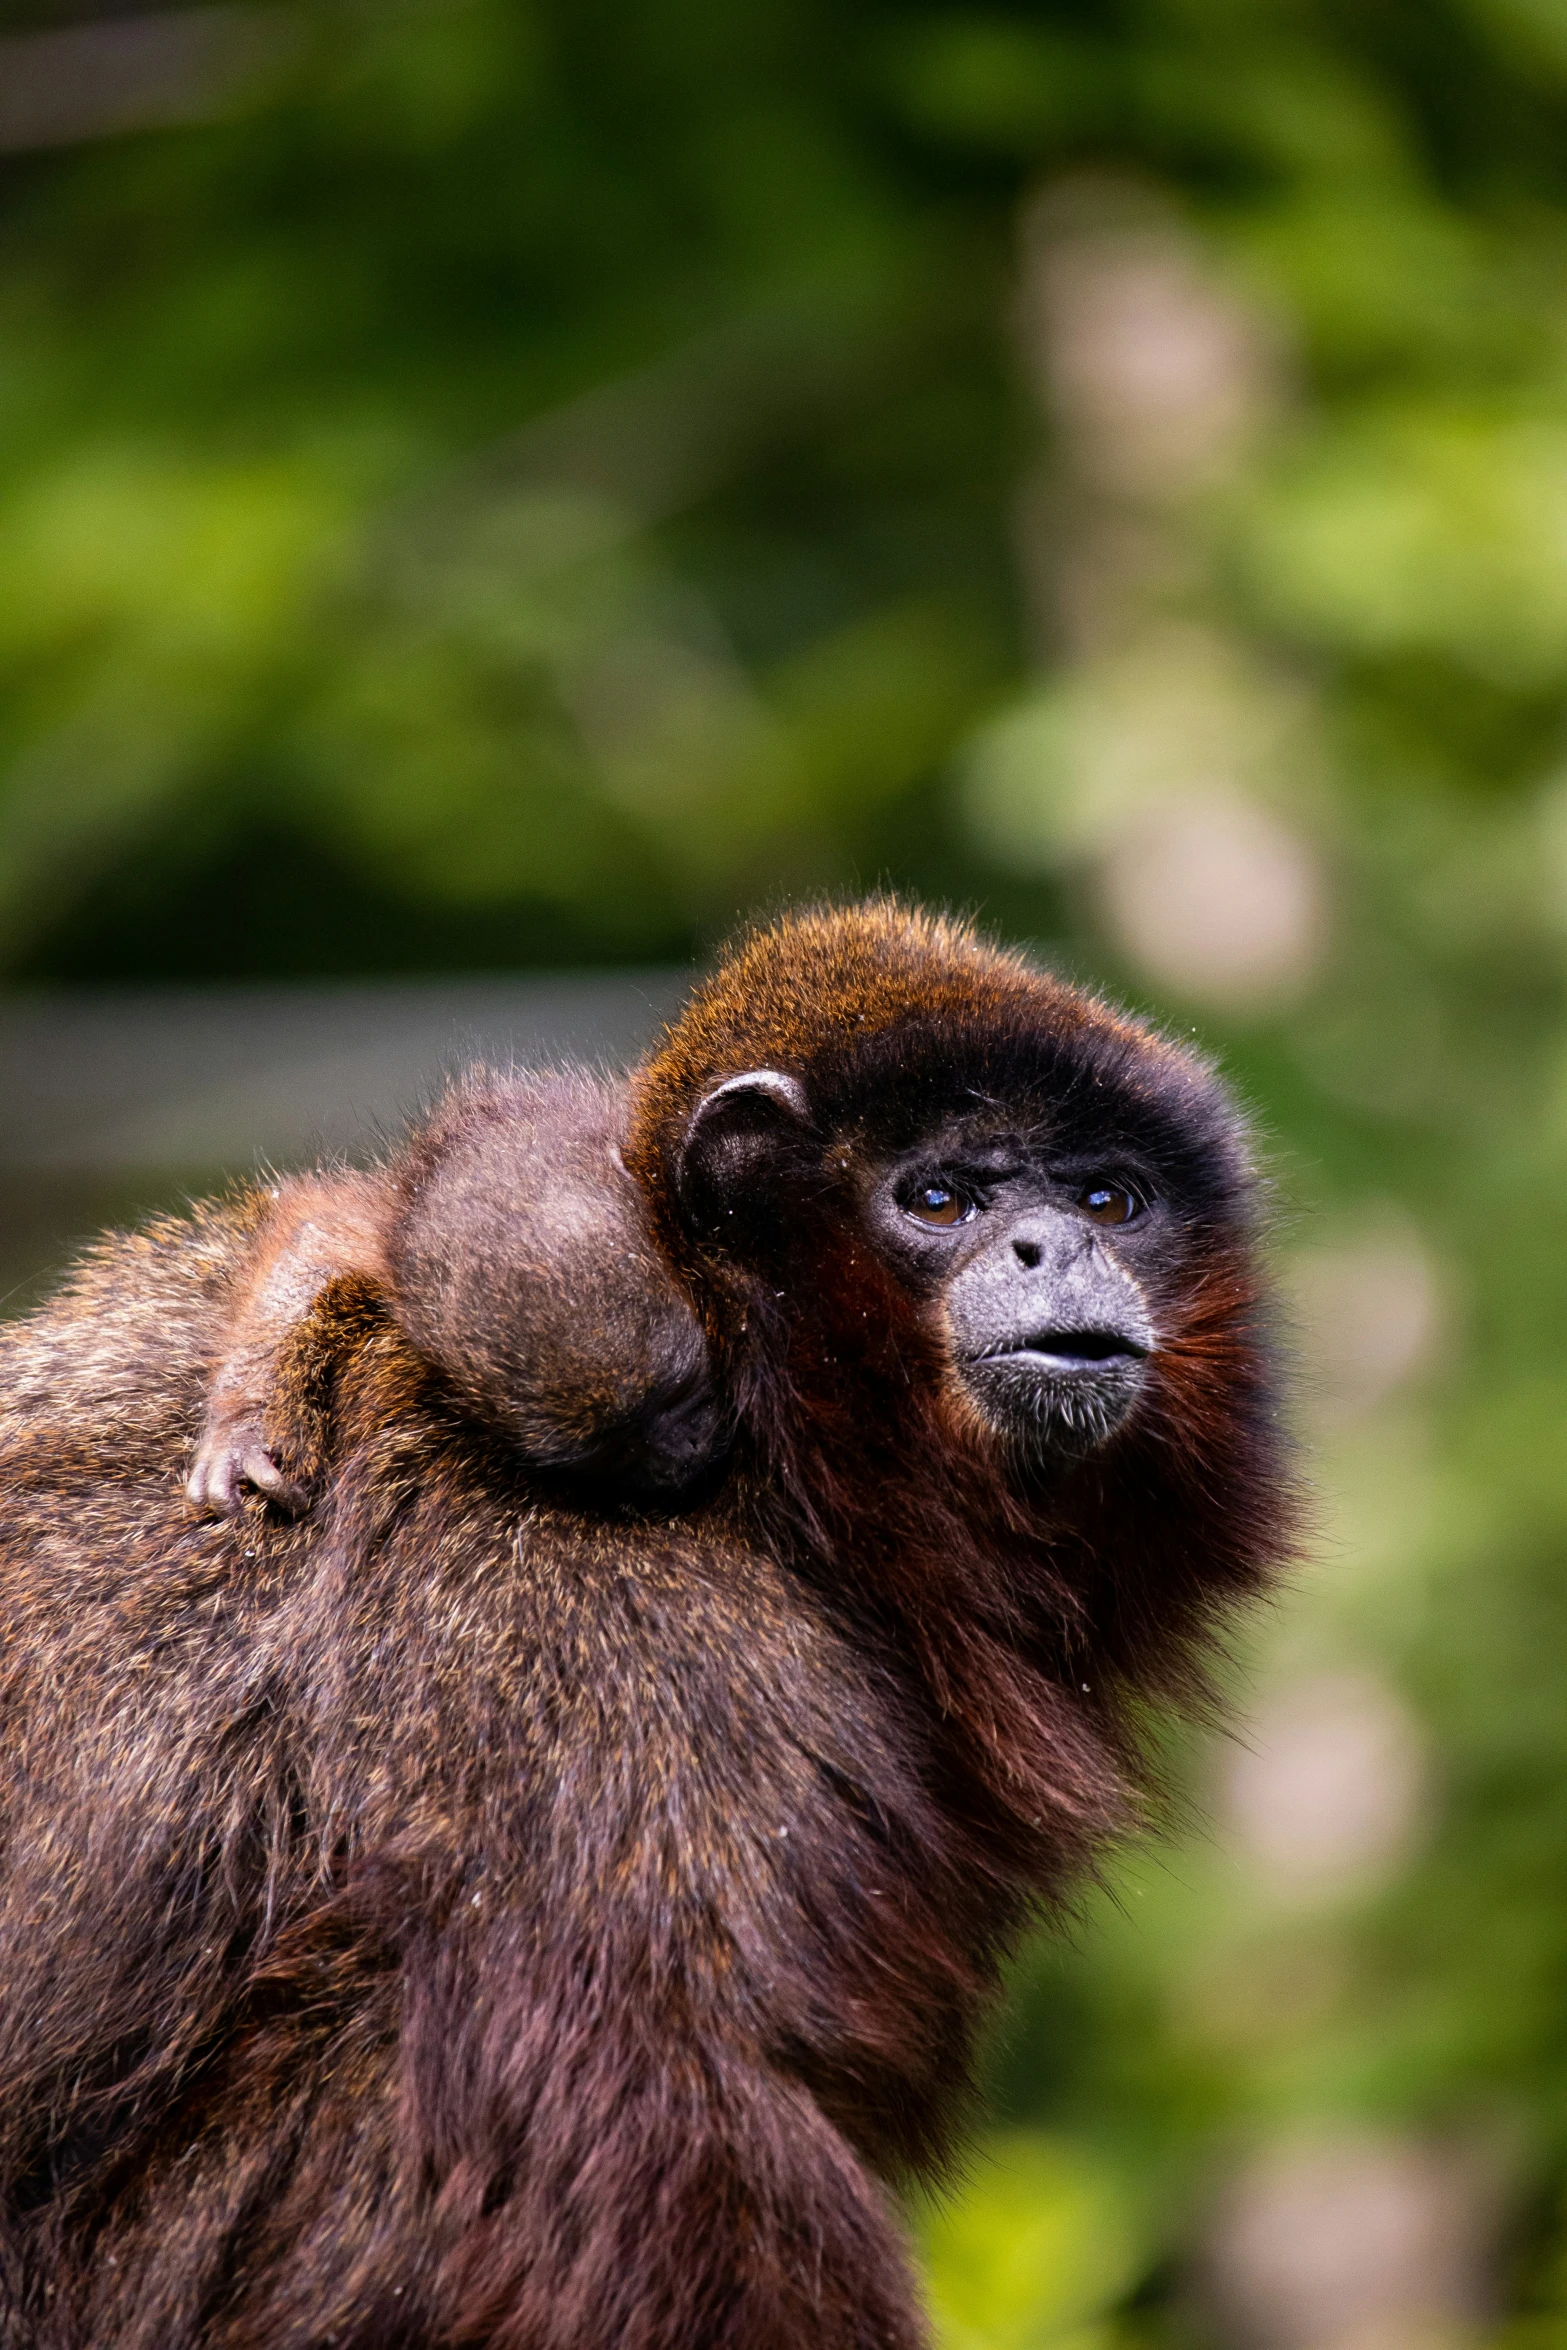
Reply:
x=461, y=1918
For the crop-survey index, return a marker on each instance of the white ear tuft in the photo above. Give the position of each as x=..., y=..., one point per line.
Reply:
x=736, y=1131
x=788, y=1092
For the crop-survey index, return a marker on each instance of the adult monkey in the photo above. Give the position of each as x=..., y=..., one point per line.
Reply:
x=463, y=1917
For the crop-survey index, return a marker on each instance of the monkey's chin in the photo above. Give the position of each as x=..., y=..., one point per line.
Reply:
x=1059, y=1397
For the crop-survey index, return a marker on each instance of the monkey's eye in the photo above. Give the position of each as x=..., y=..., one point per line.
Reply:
x=1110, y=1203
x=938, y=1203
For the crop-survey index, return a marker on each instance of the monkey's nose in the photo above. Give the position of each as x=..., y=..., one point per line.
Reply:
x=1028, y=1253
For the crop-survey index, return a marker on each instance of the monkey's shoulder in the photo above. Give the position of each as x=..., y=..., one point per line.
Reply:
x=101, y=1386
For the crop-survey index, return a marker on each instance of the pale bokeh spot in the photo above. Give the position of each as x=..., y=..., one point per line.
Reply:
x=1327, y=1792
x=1158, y=764
x=1154, y=370
x=1155, y=771
x=1352, y=2242
x=1216, y=899
x=1369, y=1315
x=1155, y=377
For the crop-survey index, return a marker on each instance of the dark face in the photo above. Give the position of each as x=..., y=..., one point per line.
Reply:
x=669, y=1440
x=1051, y=1260
x=1038, y=1266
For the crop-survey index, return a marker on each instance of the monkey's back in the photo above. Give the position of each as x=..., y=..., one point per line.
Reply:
x=361, y=1875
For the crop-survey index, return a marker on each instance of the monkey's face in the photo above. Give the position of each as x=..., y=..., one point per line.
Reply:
x=1044, y=1258
x=1036, y=1263
x=1039, y=1213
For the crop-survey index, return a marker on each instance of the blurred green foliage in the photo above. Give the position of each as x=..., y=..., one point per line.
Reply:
x=525, y=483
x=1032, y=2255
x=519, y=493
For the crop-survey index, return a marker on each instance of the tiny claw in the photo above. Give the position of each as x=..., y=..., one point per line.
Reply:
x=258, y=1468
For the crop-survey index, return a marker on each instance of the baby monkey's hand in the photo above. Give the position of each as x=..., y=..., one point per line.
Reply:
x=232, y=1454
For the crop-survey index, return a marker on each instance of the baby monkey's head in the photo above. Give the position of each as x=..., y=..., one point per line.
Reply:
x=524, y=1268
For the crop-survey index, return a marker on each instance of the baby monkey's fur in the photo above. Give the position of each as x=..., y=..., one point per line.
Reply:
x=514, y=1250
x=478, y=1914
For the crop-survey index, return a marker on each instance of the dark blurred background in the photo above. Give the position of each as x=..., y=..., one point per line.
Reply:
x=492, y=492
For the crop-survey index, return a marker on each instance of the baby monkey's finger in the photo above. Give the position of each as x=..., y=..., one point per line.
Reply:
x=258, y=1468
x=210, y=1487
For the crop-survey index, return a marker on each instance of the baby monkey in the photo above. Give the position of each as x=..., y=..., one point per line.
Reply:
x=512, y=1249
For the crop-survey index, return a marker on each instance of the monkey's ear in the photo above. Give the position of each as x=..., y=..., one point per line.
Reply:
x=737, y=1131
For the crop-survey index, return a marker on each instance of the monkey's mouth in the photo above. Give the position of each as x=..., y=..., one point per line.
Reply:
x=1070, y=1353
x=1056, y=1392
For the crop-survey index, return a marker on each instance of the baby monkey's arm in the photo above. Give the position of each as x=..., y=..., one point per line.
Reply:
x=319, y=1228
